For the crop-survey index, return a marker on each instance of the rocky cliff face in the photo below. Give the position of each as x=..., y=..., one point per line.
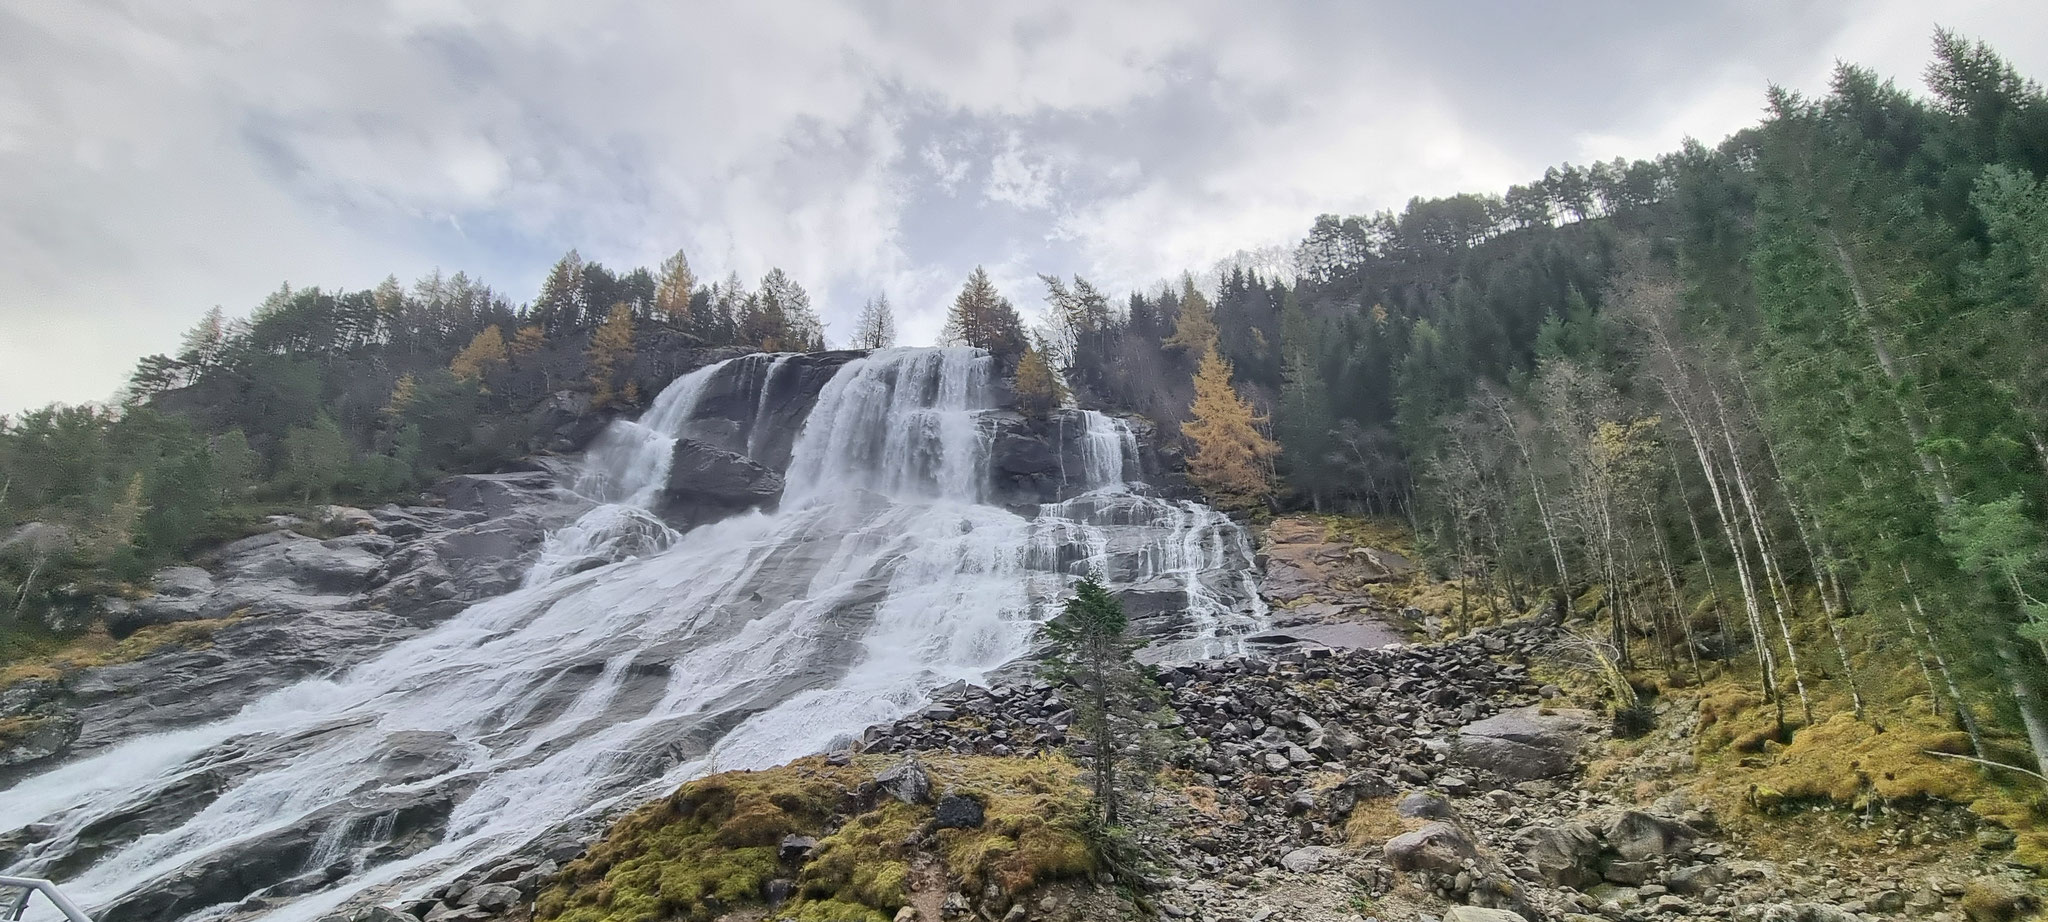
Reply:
x=284, y=605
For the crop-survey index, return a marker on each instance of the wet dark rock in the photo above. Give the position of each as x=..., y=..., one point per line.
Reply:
x=958, y=811
x=707, y=483
x=755, y=406
x=797, y=848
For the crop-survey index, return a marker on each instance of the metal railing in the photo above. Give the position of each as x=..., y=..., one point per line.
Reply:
x=13, y=906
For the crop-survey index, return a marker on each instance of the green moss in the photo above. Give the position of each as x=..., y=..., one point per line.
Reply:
x=712, y=846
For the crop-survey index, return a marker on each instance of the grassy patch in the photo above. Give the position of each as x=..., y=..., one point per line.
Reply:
x=712, y=846
x=96, y=647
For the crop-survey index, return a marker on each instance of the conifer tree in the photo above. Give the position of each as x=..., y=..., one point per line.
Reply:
x=485, y=353
x=1094, y=657
x=561, y=306
x=202, y=344
x=611, y=352
x=1195, y=329
x=984, y=319
x=1038, y=389
x=526, y=342
x=876, y=328
x=672, y=293
x=1232, y=460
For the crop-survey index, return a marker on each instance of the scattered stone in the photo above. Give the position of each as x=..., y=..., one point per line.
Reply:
x=1310, y=859
x=1481, y=914
x=1438, y=847
x=907, y=781
x=958, y=811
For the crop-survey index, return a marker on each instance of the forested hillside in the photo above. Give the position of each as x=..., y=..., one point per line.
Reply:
x=1781, y=403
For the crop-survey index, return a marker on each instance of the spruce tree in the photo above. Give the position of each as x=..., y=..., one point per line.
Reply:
x=1093, y=656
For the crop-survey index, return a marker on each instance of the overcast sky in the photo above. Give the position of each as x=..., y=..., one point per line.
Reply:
x=159, y=158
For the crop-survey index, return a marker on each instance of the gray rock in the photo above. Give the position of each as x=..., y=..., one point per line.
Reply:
x=1565, y=856
x=796, y=848
x=1438, y=847
x=958, y=811
x=1706, y=878
x=1526, y=743
x=1807, y=912
x=907, y=781
x=1480, y=914
x=1639, y=836
x=1310, y=859
x=1426, y=806
x=492, y=898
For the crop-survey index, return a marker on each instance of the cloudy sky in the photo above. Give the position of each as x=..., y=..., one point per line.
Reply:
x=157, y=158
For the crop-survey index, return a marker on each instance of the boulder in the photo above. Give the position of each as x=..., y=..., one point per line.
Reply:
x=491, y=898
x=1639, y=836
x=906, y=781
x=1438, y=847
x=959, y=811
x=707, y=483
x=1526, y=743
x=1566, y=856
x=1310, y=859
x=796, y=848
x=1706, y=878
x=1426, y=806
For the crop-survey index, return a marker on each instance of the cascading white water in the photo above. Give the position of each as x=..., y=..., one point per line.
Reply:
x=738, y=644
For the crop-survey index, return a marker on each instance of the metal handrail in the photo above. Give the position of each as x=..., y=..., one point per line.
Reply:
x=28, y=885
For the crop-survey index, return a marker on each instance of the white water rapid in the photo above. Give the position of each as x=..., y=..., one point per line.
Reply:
x=885, y=573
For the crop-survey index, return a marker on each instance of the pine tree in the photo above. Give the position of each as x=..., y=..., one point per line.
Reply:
x=787, y=322
x=1232, y=459
x=611, y=351
x=202, y=344
x=562, y=305
x=876, y=328
x=984, y=319
x=484, y=354
x=672, y=293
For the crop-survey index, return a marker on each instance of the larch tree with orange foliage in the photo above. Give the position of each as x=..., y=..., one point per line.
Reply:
x=611, y=351
x=1232, y=460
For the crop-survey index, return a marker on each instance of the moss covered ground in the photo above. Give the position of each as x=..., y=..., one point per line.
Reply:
x=714, y=846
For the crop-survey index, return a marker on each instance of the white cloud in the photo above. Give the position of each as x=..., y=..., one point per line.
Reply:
x=163, y=158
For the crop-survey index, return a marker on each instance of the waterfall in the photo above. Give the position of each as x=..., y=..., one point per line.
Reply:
x=635, y=657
